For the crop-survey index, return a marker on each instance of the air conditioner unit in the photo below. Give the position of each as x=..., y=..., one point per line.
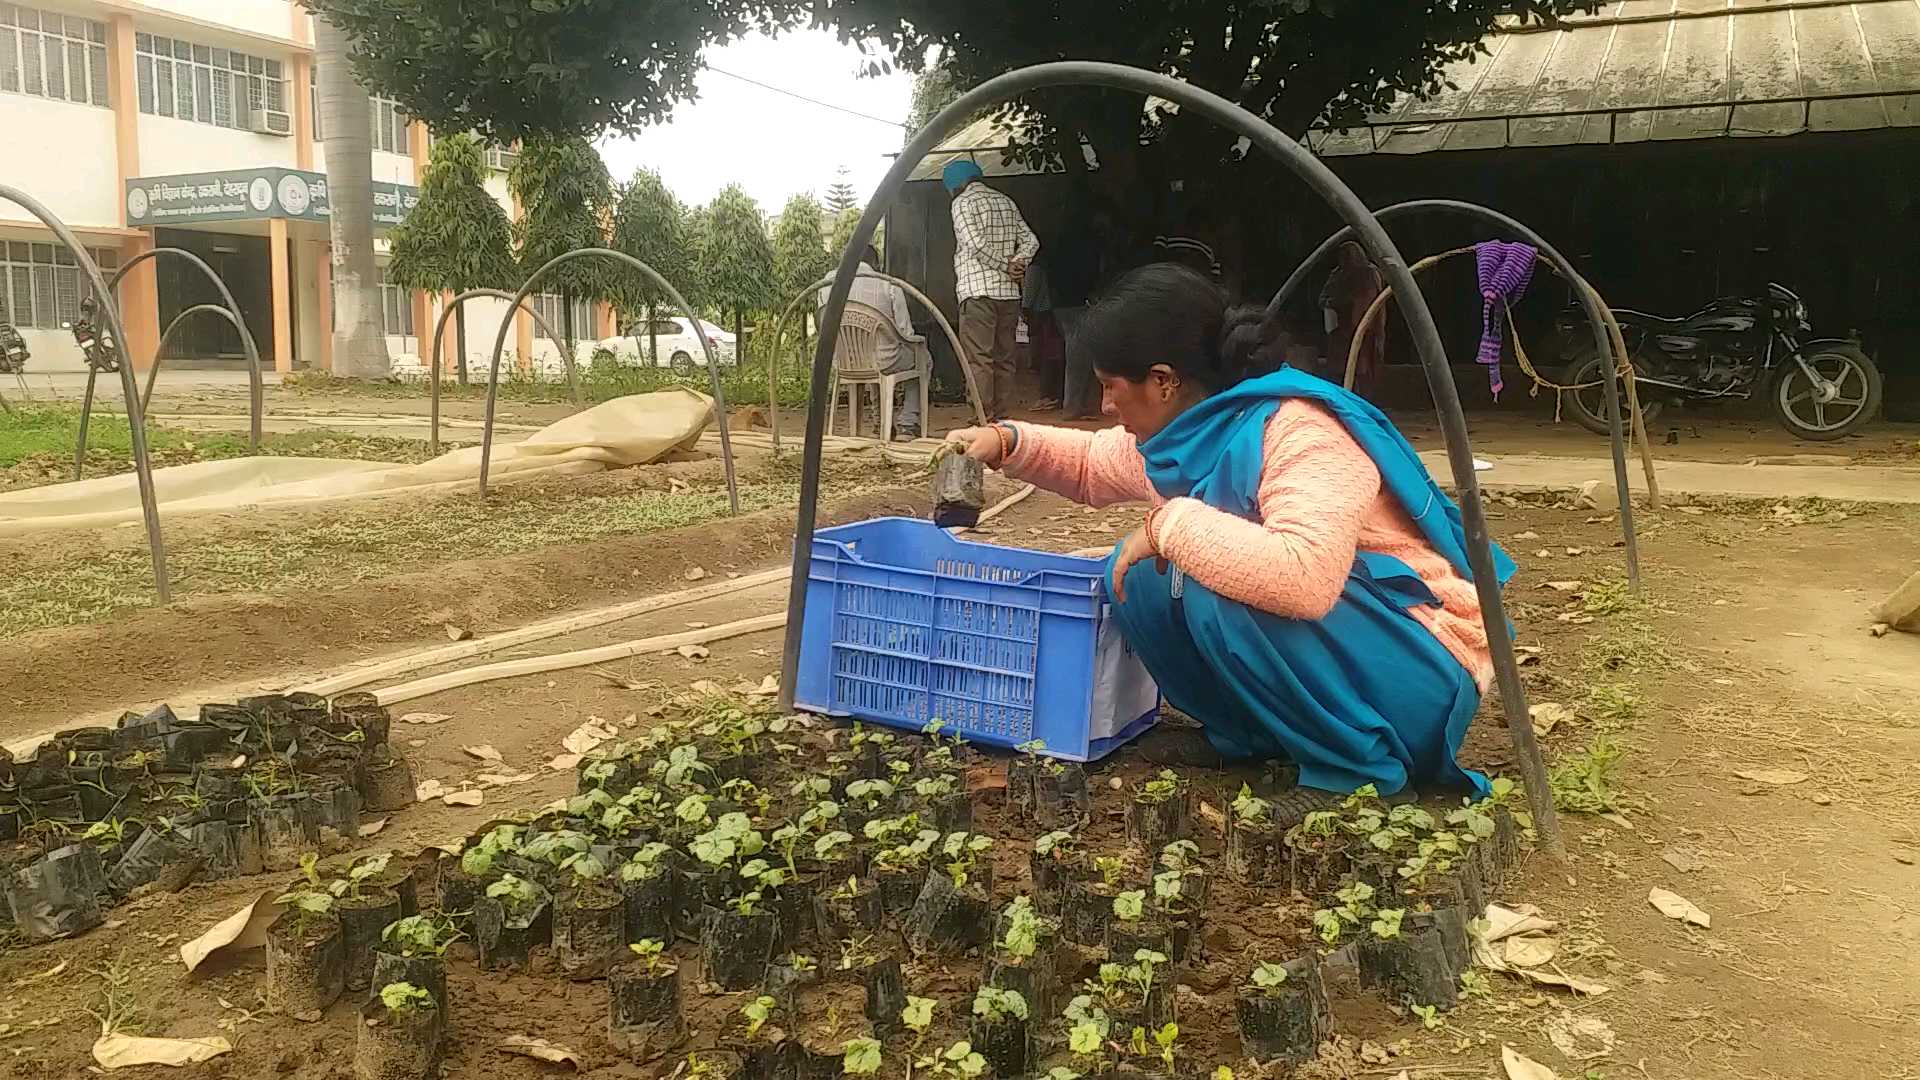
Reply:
x=270, y=122
x=501, y=159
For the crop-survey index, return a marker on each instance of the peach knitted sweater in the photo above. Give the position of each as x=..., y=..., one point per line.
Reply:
x=1320, y=503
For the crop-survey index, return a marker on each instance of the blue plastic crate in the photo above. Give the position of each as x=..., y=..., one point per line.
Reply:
x=905, y=624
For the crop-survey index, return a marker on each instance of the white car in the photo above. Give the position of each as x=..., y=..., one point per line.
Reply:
x=679, y=345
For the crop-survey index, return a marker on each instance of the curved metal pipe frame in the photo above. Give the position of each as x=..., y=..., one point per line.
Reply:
x=136, y=416
x=440, y=327
x=679, y=301
x=1379, y=247
x=780, y=329
x=257, y=388
x=160, y=351
x=1597, y=318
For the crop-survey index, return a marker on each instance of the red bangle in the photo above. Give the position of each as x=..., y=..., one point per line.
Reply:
x=1150, y=527
x=1007, y=435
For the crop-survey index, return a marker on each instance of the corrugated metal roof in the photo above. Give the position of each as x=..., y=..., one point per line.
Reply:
x=1644, y=70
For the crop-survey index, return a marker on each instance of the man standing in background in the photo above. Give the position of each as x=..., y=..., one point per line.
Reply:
x=992, y=246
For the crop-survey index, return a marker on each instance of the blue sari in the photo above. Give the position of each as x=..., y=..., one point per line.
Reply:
x=1366, y=695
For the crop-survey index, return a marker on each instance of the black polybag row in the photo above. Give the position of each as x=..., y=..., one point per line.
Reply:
x=96, y=814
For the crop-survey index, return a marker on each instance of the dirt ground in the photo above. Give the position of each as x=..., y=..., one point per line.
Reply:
x=1750, y=653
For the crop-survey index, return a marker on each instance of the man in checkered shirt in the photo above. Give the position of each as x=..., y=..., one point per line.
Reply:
x=992, y=247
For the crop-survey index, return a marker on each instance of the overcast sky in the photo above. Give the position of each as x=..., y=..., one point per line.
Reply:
x=773, y=145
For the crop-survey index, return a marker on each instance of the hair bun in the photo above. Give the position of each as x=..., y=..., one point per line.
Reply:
x=1248, y=344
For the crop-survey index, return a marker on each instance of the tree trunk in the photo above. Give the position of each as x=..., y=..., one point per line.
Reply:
x=460, y=343
x=653, y=340
x=566, y=325
x=739, y=338
x=359, y=338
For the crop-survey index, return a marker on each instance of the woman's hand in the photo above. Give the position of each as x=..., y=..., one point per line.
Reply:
x=982, y=444
x=1135, y=547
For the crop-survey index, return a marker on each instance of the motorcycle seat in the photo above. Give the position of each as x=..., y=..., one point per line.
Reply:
x=1628, y=313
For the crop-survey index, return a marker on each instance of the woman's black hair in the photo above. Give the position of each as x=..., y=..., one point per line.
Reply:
x=1167, y=313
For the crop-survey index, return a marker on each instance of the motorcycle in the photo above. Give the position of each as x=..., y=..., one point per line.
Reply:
x=96, y=346
x=1820, y=388
x=13, y=350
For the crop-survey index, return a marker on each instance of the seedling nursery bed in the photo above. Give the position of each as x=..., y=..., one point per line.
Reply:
x=740, y=894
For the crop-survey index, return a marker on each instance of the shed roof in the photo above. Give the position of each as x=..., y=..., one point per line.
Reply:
x=1641, y=70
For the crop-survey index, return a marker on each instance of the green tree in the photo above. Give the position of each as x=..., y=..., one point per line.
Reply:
x=566, y=199
x=458, y=237
x=840, y=234
x=736, y=259
x=510, y=70
x=800, y=254
x=840, y=196
x=651, y=225
x=933, y=89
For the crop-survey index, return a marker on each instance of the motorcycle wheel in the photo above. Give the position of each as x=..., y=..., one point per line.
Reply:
x=1589, y=406
x=1855, y=386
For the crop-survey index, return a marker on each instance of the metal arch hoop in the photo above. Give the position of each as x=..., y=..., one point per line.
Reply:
x=1380, y=249
x=679, y=301
x=136, y=420
x=440, y=327
x=780, y=328
x=1589, y=304
x=257, y=388
x=159, y=353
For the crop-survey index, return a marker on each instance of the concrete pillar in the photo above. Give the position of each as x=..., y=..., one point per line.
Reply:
x=140, y=290
x=422, y=326
x=282, y=294
x=140, y=303
x=300, y=88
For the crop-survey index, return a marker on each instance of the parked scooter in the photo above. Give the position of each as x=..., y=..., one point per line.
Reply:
x=13, y=350
x=96, y=344
x=1820, y=388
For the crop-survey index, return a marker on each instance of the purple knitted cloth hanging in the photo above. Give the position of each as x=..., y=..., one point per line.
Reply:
x=1505, y=270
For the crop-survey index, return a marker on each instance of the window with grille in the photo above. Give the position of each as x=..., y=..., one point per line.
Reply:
x=552, y=308
x=389, y=120
x=396, y=308
x=204, y=84
x=41, y=284
x=53, y=56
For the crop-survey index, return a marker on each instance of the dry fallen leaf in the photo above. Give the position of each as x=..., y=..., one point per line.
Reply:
x=469, y=797
x=117, y=1051
x=1780, y=777
x=1526, y=654
x=540, y=1050
x=425, y=717
x=1528, y=535
x=1565, y=586
x=372, y=828
x=1879, y=629
x=1675, y=906
x=694, y=652
x=704, y=686
x=458, y=633
x=1521, y=1067
x=1504, y=922
x=696, y=574
x=1684, y=861
x=588, y=735
x=428, y=790
x=485, y=752
x=1532, y=950
x=244, y=929
x=489, y=779
x=1581, y=1038
x=564, y=762
x=1547, y=715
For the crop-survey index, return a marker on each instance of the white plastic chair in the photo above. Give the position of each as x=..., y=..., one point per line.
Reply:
x=856, y=363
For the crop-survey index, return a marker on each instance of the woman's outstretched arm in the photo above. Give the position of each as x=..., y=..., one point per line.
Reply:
x=1096, y=468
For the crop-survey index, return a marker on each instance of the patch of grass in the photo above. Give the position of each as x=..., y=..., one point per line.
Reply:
x=1583, y=782
x=743, y=384
x=1612, y=705
x=357, y=547
x=1610, y=597
x=1625, y=645
x=36, y=446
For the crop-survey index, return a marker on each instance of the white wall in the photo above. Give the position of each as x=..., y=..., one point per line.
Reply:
x=169, y=146
x=61, y=154
x=271, y=17
x=390, y=168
